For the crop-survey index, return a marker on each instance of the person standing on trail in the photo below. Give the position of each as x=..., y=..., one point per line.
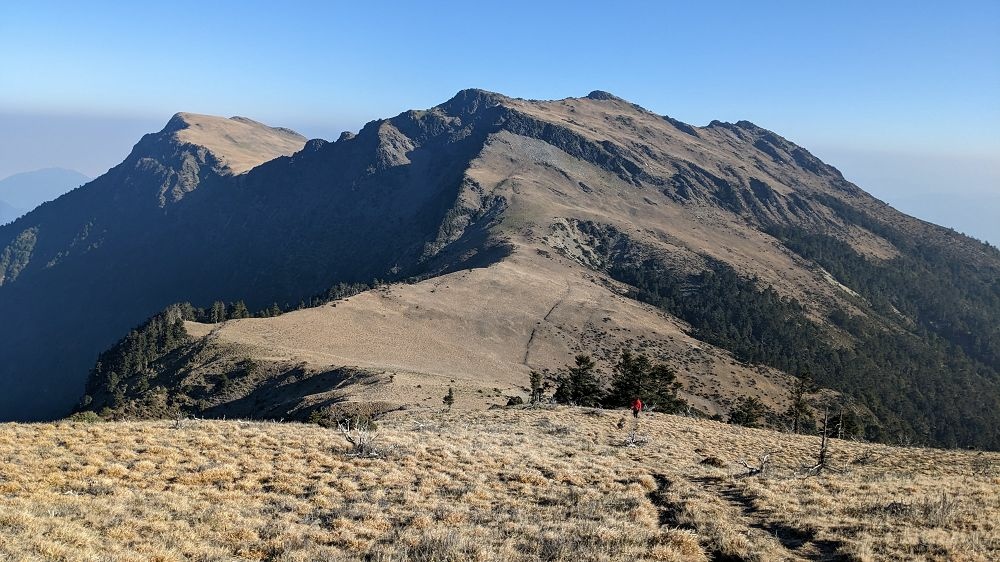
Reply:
x=636, y=407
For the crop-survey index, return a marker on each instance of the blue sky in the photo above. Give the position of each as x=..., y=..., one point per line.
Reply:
x=899, y=95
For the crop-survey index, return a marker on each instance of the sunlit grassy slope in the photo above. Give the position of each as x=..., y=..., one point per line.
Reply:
x=513, y=484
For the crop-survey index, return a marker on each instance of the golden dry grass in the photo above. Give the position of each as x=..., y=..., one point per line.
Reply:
x=239, y=143
x=517, y=484
x=480, y=331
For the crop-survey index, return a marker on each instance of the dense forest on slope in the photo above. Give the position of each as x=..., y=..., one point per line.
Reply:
x=956, y=299
x=926, y=365
x=938, y=327
x=127, y=368
x=919, y=385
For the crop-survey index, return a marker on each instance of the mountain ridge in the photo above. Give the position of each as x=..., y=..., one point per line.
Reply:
x=594, y=195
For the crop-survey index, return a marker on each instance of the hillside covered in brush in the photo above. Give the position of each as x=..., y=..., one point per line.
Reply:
x=511, y=235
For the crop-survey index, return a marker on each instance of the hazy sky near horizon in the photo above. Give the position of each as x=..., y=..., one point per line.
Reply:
x=901, y=96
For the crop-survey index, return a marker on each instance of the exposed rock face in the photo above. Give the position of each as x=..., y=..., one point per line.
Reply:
x=190, y=142
x=567, y=201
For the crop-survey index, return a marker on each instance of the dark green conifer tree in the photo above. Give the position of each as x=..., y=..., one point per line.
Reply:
x=218, y=312
x=748, y=411
x=238, y=310
x=537, y=381
x=636, y=376
x=799, y=411
x=579, y=384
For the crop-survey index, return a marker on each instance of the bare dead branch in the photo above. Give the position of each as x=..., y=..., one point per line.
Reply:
x=361, y=436
x=763, y=465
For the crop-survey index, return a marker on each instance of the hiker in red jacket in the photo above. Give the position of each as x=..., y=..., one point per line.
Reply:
x=636, y=407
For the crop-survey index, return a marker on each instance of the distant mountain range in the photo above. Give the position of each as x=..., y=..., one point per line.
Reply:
x=519, y=234
x=8, y=213
x=23, y=192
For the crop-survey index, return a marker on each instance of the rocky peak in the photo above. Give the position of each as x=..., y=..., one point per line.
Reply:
x=601, y=95
x=472, y=100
